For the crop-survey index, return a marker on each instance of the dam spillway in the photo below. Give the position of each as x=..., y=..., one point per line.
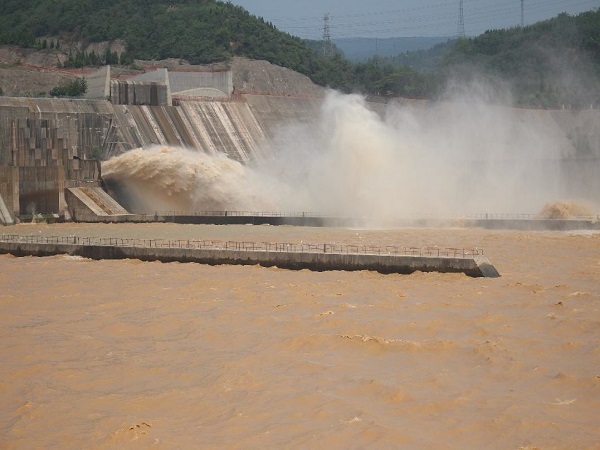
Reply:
x=48, y=146
x=213, y=127
x=316, y=257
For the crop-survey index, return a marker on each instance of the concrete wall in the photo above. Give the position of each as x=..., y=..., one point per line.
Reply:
x=9, y=189
x=62, y=132
x=6, y=217
x=156, y=76
x=207, y=93
x=41, y=190
x=187, y=81
x=141, y=126
x=474, y=267
x=91, y=204
x=98, y=84
x=126, y=92
x=46, y=145
x=195, y=84
x=275, y=112
x=51, y=132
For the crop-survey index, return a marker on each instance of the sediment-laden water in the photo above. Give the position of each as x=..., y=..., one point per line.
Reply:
x=125, y=354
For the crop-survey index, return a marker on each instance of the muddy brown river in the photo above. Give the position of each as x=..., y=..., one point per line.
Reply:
x=127, y=354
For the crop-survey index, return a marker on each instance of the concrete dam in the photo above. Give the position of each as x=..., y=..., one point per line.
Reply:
x=51, y=148
x=50, y=145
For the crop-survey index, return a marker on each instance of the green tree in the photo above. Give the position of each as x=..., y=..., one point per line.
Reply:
x=75, y=88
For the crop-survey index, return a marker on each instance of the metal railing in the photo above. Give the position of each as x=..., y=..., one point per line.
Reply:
x=201, y=244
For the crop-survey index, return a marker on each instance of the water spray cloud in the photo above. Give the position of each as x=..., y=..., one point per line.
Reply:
x=450, y=158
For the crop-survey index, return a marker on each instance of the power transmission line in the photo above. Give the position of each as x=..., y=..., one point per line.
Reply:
x=401, y=22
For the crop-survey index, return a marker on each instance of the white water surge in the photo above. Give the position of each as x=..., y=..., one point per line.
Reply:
x=163, y=178
x=443, y=159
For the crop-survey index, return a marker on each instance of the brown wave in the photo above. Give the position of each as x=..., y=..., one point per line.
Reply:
x=564, y=210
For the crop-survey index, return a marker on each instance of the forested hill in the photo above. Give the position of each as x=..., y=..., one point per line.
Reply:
x=546, y=64
x=199, y=31
x=549, y=63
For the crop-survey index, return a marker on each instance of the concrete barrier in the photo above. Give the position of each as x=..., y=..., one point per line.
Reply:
x=473, y=266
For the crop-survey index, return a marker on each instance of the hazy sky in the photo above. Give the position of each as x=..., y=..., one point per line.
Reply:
x=391, y=18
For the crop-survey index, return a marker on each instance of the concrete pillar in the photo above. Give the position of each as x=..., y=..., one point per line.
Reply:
x=9, y=188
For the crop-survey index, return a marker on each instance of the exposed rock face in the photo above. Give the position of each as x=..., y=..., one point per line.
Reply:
x=30, y=72
x=11, y=54
x=28, y=81
x=262, y=76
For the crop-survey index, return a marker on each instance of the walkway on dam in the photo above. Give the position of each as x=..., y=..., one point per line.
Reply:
x=318, y=257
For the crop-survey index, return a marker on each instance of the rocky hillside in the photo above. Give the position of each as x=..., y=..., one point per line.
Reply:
x=27, y=72
x=262, y=76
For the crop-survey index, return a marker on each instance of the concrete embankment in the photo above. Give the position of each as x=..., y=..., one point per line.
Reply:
x=473, y=266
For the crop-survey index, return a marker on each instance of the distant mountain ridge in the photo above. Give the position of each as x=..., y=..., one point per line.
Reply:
x=361, y=48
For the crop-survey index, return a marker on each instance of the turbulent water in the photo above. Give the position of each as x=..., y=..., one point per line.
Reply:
x=125, y=354
x=565, y=210
x=446, y=159
x=177, y=179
